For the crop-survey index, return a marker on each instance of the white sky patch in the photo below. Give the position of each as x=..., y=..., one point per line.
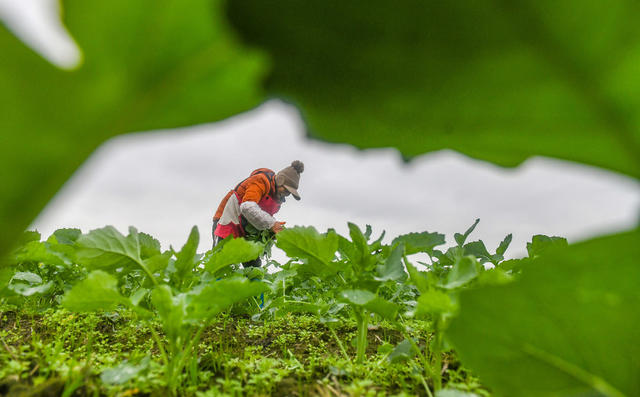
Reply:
x=37, y=23
x=165, y=182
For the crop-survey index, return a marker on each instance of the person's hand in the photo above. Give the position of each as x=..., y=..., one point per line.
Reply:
x=277, y=227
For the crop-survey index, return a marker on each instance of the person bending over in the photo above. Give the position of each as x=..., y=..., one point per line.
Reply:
x=254, y=202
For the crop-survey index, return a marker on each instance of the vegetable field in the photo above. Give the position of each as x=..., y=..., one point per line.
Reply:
x=102, y=313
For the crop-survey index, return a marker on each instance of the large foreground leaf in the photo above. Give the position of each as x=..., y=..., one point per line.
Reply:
x=569, y=326
x=147, y=64
x=497, y=80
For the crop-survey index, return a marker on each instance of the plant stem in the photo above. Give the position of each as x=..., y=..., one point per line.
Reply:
x=156, y=338
x=193, y=342
x=339, y=342
x=426, y=387
x=361, y=339
x=437, y=354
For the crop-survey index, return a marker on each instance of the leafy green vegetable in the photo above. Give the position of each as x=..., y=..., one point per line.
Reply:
x=464, y=270
x=433, y=302
x=235, y=250
x=461, y=238
x=419, y=242
x=107, y=248
x=392, y=268
x=123, y=372
x=27, y=284
x=318, y=250
x=402, y=352
x=219, y=295
x=540, y=243
x=570, y=323
x=186, y=259
x=99, y=291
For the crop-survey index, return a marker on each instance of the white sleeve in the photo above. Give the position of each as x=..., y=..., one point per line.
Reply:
x=256, y=216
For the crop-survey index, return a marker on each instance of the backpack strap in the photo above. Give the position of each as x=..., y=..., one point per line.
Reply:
x=266, y=172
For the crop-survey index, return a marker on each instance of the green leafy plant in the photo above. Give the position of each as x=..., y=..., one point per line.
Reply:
x=354, y=277
x=184, y=303
x=570, y=322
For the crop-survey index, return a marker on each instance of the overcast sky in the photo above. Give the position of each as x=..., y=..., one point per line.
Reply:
x=165, y=182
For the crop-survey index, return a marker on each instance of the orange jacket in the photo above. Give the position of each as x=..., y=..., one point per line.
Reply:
x=254, y=188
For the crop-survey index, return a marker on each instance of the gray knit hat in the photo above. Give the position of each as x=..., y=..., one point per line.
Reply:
x=289, y=177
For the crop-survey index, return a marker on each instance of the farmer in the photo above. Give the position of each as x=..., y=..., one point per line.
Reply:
x=254, y=201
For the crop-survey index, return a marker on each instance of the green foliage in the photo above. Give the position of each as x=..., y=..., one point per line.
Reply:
x=107, y=248
x=496, y=81
x=419, y=242
x=123, y=372
x=569, y=322
x=461, y=238
x=189, y=70
x=368, y=300
x=186, y=259
x=317, y=250
x=99, y=291
x=464, y=270
x=433, y=302
x=565, y=314
x=540, y=243
x=392, y=268
x=27, y=284
x=218, y=296
x=232, y=250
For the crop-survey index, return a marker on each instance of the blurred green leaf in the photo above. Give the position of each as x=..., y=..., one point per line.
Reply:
x=41, y=251
x=454, y=393
x=570, y=323
x=417, y=278
x=463, y=271
x=27, y=277
x=66, y=236
x=433, y=302
x=499, y=81
x=402, y=352
x=99, y=291
x=123, y=372
x=145, y=65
